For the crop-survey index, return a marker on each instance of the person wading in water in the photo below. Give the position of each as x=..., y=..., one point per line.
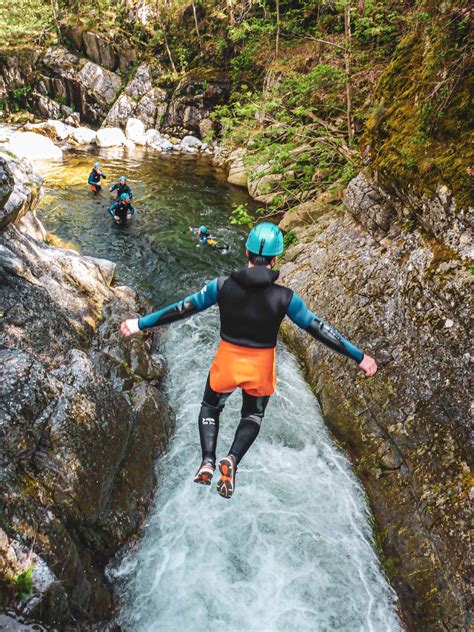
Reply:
x=252, y=306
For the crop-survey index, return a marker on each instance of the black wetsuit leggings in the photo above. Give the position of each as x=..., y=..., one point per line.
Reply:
x=253, y=410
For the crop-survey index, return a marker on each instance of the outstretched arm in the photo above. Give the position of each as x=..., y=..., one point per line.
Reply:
x=178, y=311
x=304, y=318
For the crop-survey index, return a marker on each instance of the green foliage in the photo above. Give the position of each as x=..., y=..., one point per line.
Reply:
x=25, y=22
x=289, y=239
x=23, y=583
x=241, y=216
x=16, y=100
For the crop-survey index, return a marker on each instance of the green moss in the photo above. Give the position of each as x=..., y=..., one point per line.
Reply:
x=420, y=132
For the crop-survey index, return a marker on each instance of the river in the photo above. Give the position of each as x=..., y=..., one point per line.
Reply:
x=293, y=549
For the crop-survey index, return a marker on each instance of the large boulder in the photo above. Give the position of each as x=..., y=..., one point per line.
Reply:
x=110, y=137
x=83, y=136
x=135, y=131
x=191, y=142
x=34, y=147
x=104, y=84
x=60, y=130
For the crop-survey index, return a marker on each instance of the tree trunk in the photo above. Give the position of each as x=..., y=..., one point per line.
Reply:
x=347, y=64
x=277, y=41
x=196, y=20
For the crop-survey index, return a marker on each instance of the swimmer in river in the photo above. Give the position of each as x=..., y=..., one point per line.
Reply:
x=94, y=178
x=122, y=210
x=252, y=306
x=121, y=187
x=206, y=239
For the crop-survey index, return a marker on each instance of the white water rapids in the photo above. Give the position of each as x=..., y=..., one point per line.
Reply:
x=291, y=551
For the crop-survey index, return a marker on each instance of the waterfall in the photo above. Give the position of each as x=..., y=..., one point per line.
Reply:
x=293, y=548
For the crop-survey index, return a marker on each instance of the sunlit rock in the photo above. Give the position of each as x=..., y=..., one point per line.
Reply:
x=135, y=131
x=110, y=137
x=84, y=136
x=34, y=147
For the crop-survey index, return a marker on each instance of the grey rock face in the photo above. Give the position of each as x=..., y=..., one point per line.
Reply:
x=139, y=100
x=20, y=188
x=82, y=417
x=405, y=299
x=380, y=208
x=99, y=50
x=89, y=88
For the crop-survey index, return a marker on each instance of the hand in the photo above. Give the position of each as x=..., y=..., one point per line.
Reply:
x=128, y=216
x=110, y=189
x=116, y=218
x=368, y=365
x=129, y=327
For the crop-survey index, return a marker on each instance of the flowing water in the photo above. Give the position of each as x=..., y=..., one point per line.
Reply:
x=293, y=549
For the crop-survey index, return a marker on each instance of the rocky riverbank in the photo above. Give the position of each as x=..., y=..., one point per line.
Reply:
x=403, y=294
x=82, y=418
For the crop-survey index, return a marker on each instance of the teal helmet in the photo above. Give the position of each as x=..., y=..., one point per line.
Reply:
x=265, y=239
x=96, y=165
x=123, y=179
x=203, y=229
x=124, y=196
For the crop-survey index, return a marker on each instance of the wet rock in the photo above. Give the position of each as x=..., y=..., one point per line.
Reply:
x=82, y=418
x=33, y=147
x=110, y=137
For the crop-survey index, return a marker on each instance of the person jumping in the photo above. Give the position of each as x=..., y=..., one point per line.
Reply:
x=252, y=306
x=94, y=178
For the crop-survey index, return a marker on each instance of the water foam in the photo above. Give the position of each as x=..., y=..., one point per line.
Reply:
x=292, y=550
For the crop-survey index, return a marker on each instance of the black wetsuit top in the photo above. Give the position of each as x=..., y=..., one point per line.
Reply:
x=121, y=188
x=252, y=307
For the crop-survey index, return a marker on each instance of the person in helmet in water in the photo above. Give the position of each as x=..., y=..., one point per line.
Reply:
x=122, y=210
x=202, y=234
x=252, y=306
x=206, y=239
x=121, y=187
x=94, y=178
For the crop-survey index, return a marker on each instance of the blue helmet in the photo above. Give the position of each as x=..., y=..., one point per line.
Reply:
x=203, y=229
x=124, y=196
x=265, y=239
x=96, y=165
x=123, y=179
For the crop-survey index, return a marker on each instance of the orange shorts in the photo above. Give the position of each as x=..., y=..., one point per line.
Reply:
x=252, y=370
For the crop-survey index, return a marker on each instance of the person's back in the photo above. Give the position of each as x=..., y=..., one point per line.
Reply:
x=252, y=307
